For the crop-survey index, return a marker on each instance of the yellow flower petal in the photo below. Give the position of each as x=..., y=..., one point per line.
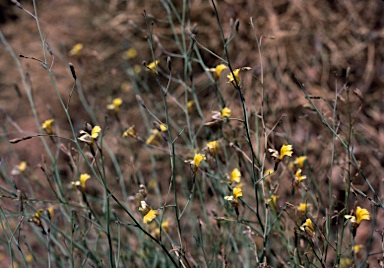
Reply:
x=22, y=166
x=153, y=139
x=219, y=68
x=115, y=105
x=131, y=132
x=76, y=49
x=231, y=77
x=95, y=132
x=273, y=200
x=237, y=192
x=131, y=53
x=269, y=171
x=51, y=212
x=83, y=178
x=307, y=226
x=285, y=150
x=299, y=161
x=345, y=262
x=197, y=159
x=36, y=218
x=163, y=127
x=361, y=214
x=153, y=66
x=150, y=216
x=303, y=207
x=298, y=175
x=190, y=105
x=235, y=176
x=356, y=248
x=213, y=147
x=47, y=126
x=225, y=112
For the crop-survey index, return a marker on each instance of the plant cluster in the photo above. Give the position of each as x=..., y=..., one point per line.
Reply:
x=201, y=181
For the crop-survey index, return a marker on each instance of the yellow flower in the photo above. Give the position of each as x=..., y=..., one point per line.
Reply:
x=80, y=184
x=154, y=138
x=163, y=127
x=225, y=112
x=89, y=138
x=47, y=126
x=190, y=106
x=19, y=169
x=299, y=161
x=152, y=184
x=345, y=262
x=95, y=132
x=234, y=76
x=298, y=178
x=285, y=150
x=164, y=226
x=83, y=178
x=126, y=87
x=29, y=258
x=130, y=53
x=234, y=198
x=22, y=166
x=115, y=105
x=303, y=207
x=360, y=215
x=235, y=176
x=197, y=160
x=237, y=192
x=307, y=227
x=36, y=218
x=356, y=248
x=131, y=132
x=150, y=216
x=153, y=66
x=213, y=147
x=267, y=175
x=231, y=77
x=51, y=212
x=148, y=213
x=137, y=68
x=76, y=49
x=217, y=70
x=269, y=171
x=273, y=200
